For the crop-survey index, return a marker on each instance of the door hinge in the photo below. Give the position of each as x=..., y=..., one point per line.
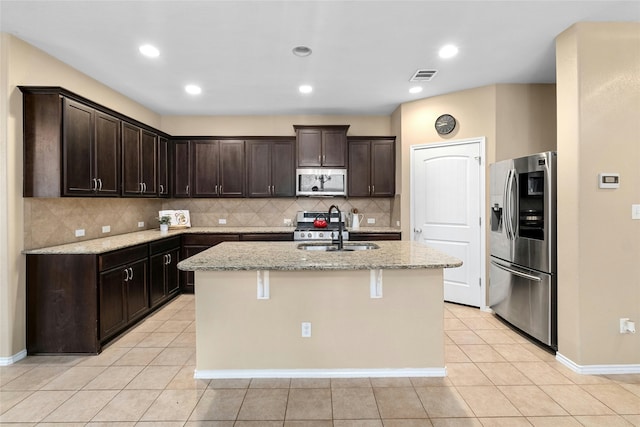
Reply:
x=480, y=281
x=480, y=220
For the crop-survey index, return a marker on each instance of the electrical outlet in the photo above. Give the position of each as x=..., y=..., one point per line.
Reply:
x=306, y=329
x=371, y=220
x=635, y=211
x=106, y=228
x=222, y=221
x=140, y=224
x=80, y=232
x=627, y=326
x=287, y=221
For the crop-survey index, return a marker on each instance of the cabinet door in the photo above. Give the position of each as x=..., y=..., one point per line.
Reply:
x=309, y=147
x=359, y=169
x=113, y=314
x=157, y=285
x=259, y=168
x=78, y=149
x=188, y=277
x=163, y=167
x=383, y=168
x=231, y=172
x=136, y=286
x=172, y=274
x=149, y=163
x=283, y=169
x=107, y=154
x=131, y=162
x=204, y=157
x=334, y=148
x=181, y=169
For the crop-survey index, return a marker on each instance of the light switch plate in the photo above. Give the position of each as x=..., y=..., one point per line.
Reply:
x=106, y=228
x=80, y=232
x=140, y=224
x=371, y=220
x=222, y=221
x=635, y=211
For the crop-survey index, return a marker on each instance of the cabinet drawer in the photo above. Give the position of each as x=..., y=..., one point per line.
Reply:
x=164, y=245
x=365, y=236
x=122, y=256
x=208, y=239
x=268, y=237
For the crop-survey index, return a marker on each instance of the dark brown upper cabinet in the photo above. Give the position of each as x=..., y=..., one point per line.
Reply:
x=74, y=147
x=322, y=146
x=372, y=171
x=164, y=167
x=217, y=168
x=91, y=150
x=139, y=162
x=181, y=169
x=270, y=168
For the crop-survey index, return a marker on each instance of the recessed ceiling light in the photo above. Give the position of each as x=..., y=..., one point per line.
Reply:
x=415, y=89
x=193, y=89
x=149, y=51
x=302, y=51
x=305, y=89
x=448, y=51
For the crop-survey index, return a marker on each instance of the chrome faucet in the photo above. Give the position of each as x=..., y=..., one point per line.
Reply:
x=340, y=241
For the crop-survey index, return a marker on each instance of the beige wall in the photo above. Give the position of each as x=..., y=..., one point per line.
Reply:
x=271, y=125
x=22, y=64
x=598, y=80
x=525, y=120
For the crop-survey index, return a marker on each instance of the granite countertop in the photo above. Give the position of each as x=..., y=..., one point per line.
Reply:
x=111, y=243
x=235, y=256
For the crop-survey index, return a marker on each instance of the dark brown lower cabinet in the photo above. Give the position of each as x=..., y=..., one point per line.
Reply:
x=195, y=243
x=164, y=277
x=78, y=303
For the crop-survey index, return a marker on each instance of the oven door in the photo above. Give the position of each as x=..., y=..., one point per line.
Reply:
x=525, y=298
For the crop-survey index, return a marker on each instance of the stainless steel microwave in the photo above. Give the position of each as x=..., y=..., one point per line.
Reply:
x=321, y=182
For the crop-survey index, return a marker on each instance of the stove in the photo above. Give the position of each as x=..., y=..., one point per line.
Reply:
x=305, y=229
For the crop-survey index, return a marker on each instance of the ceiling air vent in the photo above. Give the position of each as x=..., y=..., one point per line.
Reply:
x=423, y=75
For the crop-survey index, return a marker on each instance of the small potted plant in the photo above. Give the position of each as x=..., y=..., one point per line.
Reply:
x=164, y=223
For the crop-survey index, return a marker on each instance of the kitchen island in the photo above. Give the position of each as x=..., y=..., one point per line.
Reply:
x=269, y=309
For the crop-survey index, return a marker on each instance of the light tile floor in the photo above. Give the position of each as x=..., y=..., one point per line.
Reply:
x=495, y=378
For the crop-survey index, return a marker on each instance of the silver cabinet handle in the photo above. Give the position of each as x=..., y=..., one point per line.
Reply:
x=131, y=271
x=140, y=186
x=373, y=189
x=319, y=159
x=95, y=184
x=99, y=184
x=161, y=189
x=187, y=189
x=221, y=189
x=169, y=255
x=144, y=187
x=126, y=274
x=324, y=159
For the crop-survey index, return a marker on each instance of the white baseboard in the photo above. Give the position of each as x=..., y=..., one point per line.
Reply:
x=319, y=373
x=5, y=361
x=597, y=369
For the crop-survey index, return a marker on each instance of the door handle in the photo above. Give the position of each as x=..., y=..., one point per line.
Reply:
x=131, y=271
x=126, y=274
x=95, y=184
x=417, y=230
x=169, y=255
x=99, y=184
x=516, y=272
x=187, y=189
x=161, y=189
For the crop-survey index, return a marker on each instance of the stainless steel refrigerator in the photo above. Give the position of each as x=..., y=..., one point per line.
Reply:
x=523, y=267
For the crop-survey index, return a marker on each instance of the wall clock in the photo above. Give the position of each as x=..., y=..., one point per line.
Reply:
x=445, y=124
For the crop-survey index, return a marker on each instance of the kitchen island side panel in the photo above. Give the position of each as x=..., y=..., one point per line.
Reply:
x=349, y=329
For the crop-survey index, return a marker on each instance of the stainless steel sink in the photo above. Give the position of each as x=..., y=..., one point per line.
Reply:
x=355, y=246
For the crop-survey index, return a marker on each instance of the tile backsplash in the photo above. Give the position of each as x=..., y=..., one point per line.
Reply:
x=53, y=221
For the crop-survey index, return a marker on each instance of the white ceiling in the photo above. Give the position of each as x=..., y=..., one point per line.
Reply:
x=364, y=52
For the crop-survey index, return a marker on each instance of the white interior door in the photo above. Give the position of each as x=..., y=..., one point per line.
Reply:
x=447, y=184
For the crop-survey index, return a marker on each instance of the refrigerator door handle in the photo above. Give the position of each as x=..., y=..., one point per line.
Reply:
x=507, y=206
x=516, y=272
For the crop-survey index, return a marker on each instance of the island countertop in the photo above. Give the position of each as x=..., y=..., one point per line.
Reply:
x=243, y=256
